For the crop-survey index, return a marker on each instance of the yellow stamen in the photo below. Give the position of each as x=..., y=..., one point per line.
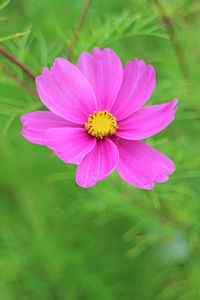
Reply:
x=101, y=124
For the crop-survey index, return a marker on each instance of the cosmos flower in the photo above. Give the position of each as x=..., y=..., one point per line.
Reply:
x=96, y=118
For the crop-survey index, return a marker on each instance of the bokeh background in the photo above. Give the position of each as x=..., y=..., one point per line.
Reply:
x=112, y=241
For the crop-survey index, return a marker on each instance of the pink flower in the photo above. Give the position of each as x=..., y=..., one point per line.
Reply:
x=97, y=119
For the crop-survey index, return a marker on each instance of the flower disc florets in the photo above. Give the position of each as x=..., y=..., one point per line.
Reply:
x=101, y=124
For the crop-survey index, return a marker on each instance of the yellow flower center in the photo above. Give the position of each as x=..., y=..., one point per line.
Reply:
x=101, y=124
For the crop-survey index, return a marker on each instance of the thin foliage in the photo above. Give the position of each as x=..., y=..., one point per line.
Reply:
x=58, y=241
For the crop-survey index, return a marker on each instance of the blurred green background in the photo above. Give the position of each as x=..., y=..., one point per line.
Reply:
x=112, y=241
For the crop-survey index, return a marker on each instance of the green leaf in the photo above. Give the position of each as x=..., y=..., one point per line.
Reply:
x=4, y=3
x=10, y=106
x=22, y=44
x=13, y=36
x=8, y=124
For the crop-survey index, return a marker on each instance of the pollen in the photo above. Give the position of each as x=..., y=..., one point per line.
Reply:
x=101, y=124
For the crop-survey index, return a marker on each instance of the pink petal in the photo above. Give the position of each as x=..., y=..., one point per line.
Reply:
x=137, y=86
x=33, y=136
x=104, y=71
x=36, y=122
x=147, y=121
x=140, y=164
x=98, y=164
x=69, y=144
x=66, y=91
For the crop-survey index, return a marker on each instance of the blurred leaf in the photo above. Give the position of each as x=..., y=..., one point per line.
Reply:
x=8, y=124
x=115, y=28
x=60, y=241
x=13, y=36
x=42, y=48
x=4, y=3
x=11, y=106
x=3, y=18
x=22, y=43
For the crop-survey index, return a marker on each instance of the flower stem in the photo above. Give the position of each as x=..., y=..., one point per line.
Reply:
x=78, y=28
x=175, y=43
x=12, y=59
x=20, y=82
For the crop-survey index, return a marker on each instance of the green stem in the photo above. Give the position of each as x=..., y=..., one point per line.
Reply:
x=175, y=43
x=13, y=60
x=78, y=28
x=20, y=82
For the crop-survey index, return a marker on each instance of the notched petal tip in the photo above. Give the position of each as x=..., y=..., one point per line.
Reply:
x=32, y=136
x=97, y=51
x=175, y=103
x=59, y=61
x=147, y=121
x=45, y=70
x=104, y=71
x=173, y=107
x=138, y=84
x=39, y=79
x=141, y=165
x=23, y=118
